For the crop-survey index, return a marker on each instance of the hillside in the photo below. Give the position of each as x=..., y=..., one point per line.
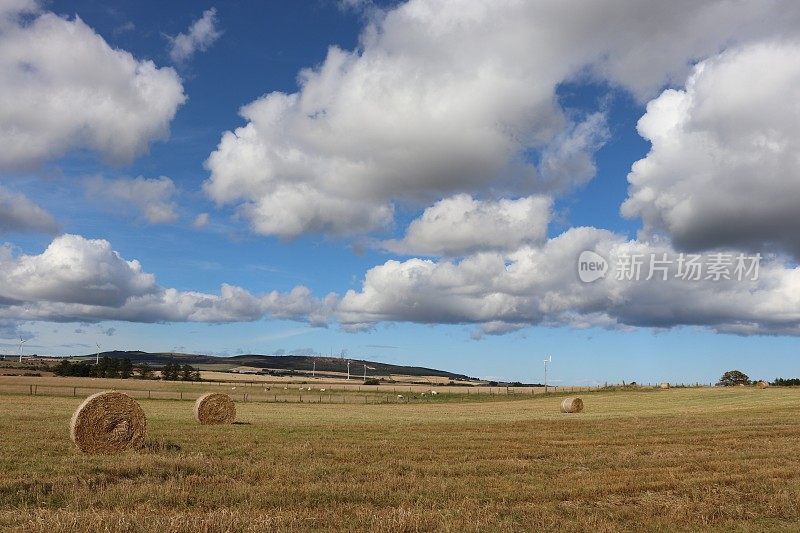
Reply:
x=297, y=363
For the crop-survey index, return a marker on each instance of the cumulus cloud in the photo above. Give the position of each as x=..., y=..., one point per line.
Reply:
x=14, y=8
x=539, y=285
x=201, y=221
x=77, y=279
x=461, y=225
x=294, y=209
x=80, y=280
x=723, y=168
x=444, y=98
x=151, y=197
x=74, y=270
x=63, y=87
x=18, y=213
x=201, y=34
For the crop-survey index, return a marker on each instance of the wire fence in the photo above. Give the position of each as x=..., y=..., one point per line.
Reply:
x=246, y=392
x=286, y=392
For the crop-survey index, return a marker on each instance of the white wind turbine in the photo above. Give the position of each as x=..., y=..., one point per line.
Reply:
x=97, y=357
x=21, y=343
x=546, y=361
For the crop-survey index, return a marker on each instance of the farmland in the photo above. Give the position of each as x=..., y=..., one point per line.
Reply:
x=676, y=459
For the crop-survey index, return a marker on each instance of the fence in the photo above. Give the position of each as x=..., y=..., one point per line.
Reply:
x=267, y=395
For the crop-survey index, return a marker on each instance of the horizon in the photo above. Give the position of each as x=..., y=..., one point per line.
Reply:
x=412, y=182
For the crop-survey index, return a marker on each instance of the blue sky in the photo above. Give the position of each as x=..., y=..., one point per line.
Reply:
x=557, y=125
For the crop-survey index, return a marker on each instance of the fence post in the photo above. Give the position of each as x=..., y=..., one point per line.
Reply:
x=30, y=389
x=74, y=391
x=181, y=395
x=148, y=395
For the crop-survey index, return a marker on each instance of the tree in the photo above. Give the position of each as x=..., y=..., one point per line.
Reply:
x=63, y=368
x=105, y=368
x=112, y=370
x=125, y=368
x=170, y=371
x=145, y=371
x=166, y=372
x=732, y=378
x=186, y=373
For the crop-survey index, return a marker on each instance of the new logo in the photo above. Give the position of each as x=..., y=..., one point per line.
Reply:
x=591, y=266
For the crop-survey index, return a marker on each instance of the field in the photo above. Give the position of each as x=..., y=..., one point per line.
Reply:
x=680, y=459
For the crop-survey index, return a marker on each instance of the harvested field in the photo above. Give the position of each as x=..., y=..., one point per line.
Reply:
x=682, y=459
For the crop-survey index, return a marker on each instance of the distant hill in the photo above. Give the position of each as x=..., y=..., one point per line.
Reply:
x=297, y=363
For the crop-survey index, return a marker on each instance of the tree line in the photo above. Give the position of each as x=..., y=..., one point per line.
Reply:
x=108, y=367
x=737, y=377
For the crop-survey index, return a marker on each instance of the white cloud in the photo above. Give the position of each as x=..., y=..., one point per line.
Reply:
x=62, y=87
x=723, y=169
x=18, y=213
x=291, y=210
x=443, y=98
x=539, y=285
x=74, y=270
x=201, y=221
x=76, y=279
x=152, y=197
x=201, y=34
x=13, y=8
x=461, y=225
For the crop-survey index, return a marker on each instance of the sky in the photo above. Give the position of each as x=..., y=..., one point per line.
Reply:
x=409, y=182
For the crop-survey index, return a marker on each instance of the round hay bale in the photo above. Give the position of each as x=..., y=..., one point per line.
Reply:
x=108, y=422
x=762, y=384
x=571, y=405
x=664, y=385
x=215, y=408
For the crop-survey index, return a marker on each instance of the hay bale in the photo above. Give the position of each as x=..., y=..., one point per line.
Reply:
x=108, y=422
x=215, y=408
x=762, y=384
x=571, y=405
x=664, y=385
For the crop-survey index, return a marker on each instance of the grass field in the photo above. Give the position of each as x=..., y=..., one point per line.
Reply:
x=681, y=459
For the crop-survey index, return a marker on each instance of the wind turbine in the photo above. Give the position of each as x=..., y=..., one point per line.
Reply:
x=21, y=343
x=348, y=369
x=97, y=357
x=546, y=361
x=365, y=370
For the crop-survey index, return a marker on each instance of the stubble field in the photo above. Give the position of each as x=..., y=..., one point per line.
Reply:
x=681, y=459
